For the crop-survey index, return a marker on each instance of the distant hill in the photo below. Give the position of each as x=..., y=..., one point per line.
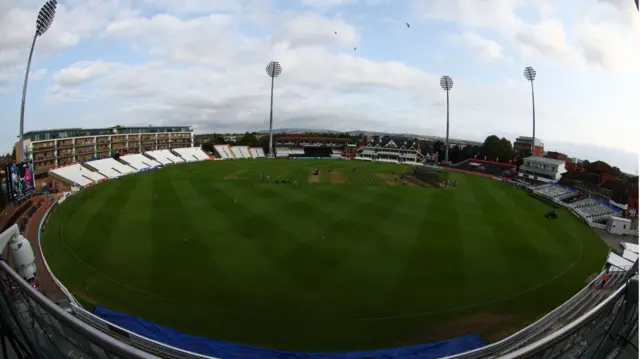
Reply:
x=296, y=131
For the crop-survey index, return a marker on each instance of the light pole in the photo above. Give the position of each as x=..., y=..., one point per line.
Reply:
x=44, y=21
x=273, y=70
x=530, y=75
x=447, y=84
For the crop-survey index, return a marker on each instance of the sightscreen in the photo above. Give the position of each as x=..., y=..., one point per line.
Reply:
x=20, y=181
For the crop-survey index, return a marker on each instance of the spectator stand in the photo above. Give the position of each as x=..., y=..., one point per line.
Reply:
x=390, y=152
x=594, y=211
x=224, y=151
x=309, y=146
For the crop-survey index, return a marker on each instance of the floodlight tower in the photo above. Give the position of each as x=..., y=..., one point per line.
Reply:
x=273, y=70
x=447, y=84
x=44, y=21
x=530, y=75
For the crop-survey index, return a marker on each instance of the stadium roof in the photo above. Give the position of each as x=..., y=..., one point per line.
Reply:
x=550, y=161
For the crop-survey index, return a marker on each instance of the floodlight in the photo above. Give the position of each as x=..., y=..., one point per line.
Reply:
x=530, y=75
x=274, y=69
x=447, y=84
x=43, y=22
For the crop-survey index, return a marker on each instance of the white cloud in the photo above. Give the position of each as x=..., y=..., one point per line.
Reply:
x=315, y=30
x=196, y=6
x=37, y=74
x=486, y=49
x=597, y=33
x=74, y=21
x=81, y=72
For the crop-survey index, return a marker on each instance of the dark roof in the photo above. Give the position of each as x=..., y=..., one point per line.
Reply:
x=51, y=130
x=96, y=128
x=599, y=167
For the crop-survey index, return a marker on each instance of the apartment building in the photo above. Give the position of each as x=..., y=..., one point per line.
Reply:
x=52, y=148
x=524, y=143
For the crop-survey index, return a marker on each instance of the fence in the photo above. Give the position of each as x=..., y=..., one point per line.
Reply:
x=35, y=327
x=42, y=329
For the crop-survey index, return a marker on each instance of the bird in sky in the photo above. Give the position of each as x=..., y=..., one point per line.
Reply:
x=407, y=24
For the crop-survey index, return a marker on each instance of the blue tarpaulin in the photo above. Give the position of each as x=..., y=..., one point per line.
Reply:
x=236, y=351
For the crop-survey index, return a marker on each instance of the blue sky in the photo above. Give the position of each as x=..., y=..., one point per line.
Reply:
x=201, y=62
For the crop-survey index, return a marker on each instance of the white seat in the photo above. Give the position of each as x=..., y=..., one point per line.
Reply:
x=257, y=152
x=110, y=167
x=167, y=154
x=283, y=152
x=240, y=151
x=159, y=156
x=139, y=161
x=224, y=152
x=94, y=176
x=73, y=173
x=164, y=156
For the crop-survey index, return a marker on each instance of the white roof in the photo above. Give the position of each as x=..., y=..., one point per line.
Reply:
x=618, y=263
x=540, y=159
x=632, y=256
x=630, y=246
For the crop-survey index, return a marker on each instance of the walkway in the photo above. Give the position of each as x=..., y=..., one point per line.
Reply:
x=48, y=286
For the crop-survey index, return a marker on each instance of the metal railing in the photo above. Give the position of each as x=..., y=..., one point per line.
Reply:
x=35, y=327
x=40, y=328
x=595, y=334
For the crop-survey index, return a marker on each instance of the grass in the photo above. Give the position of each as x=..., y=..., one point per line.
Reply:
x=207, y=249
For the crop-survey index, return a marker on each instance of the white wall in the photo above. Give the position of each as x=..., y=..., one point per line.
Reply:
x=560, y=171
x=619, y=226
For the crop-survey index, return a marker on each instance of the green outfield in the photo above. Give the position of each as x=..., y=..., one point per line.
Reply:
x=341, y=261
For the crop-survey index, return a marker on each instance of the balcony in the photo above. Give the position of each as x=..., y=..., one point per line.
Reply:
x=43, y=148
x=42, y=159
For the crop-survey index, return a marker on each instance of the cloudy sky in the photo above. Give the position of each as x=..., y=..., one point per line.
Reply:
x=202, y=63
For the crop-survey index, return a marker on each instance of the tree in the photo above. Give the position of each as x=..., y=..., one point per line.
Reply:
x=520, y=156
x=248, y=139
x=495, y=148
x=13, y=154
x=506, y=154
x=438, y=146
x=491, y=148
x=208, y=147
x=218, y=139
x=469, y=152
